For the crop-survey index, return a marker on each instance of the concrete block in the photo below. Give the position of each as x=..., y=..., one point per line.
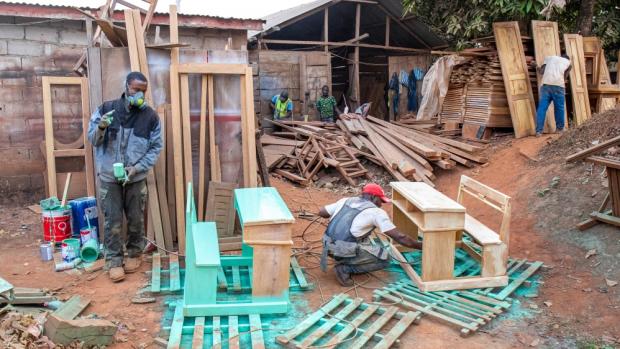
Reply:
x=10, y=63
x=17, y=81
x=68, y=94
x=37, y=184
x=73, y=37
x=25, y=48
x=32, y=94
x=41, y=64
x=10, y=94
x=70, y=24
x=21, y=109
x=16, y=162
x=42, y=33
x=14, y=184
x=4, y=49
x=12, y=32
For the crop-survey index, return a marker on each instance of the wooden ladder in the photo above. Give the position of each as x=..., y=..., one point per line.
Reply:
x=343, y=159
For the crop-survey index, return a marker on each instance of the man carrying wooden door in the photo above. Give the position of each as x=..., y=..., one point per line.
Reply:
x=554, y=71
x=125, y=131
x=351, y=221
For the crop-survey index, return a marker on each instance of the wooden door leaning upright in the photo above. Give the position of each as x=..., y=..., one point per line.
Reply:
x=516, y=78
x=578, y=83
x=546, y=43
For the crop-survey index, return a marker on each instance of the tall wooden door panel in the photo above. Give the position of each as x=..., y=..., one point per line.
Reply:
x=516, y=78
x=546, y=43
x=578, y=83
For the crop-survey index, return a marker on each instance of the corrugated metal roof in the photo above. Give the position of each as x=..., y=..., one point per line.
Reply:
x=275, y=21
x=93, y=7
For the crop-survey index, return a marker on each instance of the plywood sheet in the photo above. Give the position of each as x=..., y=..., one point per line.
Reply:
x=516, y=78
x=220, y=207
x=578, y=84
x=546, y=43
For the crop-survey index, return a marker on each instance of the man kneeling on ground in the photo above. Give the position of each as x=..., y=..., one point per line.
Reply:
x=351, y=221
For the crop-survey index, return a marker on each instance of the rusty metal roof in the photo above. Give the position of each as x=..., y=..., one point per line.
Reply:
x=47, y=9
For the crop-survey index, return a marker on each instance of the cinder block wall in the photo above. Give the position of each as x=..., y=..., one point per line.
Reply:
x=34, y=47
x=28, y=52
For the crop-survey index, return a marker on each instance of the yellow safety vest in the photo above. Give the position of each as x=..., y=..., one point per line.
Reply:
x=281, y=107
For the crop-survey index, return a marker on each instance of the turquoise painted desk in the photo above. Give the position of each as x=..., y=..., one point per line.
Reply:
x=267, y=225
x=267, y=252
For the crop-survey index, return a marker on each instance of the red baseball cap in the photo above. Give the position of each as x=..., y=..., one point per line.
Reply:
x=376, y=190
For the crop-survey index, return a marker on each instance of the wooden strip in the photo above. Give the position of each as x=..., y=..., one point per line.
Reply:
x=256, y=332
x=399, y=328
x=71, y=308
x=236, y=276
x=355, y=323
x=186, y=127
x=160, y=177
x=89, y=166
x=216, y=174
x=329, y=324
x=233, y=332
x=199, y=328
x=299, y=274
x=52, y=186
x=175, y=274
x=202, y=148
x=156, y=273
x=595, y=149
x=178, y=156
x=311, y=320
x=222, y=283
x=374, y=328
x=176, y=331
x=248, y=124
x=217, y=333
x=518, y=281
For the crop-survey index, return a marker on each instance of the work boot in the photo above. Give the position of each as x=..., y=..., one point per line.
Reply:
x=116, y=274
x=343, y=277
x=132, y=264
x=538, y=134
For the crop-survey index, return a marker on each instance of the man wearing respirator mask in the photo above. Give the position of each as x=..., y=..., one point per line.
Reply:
x=125, y=131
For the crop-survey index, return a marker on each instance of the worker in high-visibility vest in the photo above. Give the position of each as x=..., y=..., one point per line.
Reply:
x=282, y=106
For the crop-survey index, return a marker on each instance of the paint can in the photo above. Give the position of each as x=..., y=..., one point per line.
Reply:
x=56, y=224
x=90, y=251
x=47, y=252
x=88, y=234
x=70, y=249
x=84, y=214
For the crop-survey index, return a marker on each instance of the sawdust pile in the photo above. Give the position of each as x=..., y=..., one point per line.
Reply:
x=599, y=128
x=25, y=331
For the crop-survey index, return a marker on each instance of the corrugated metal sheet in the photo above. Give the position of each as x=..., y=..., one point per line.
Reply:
x=94, y=5
x=279, y=20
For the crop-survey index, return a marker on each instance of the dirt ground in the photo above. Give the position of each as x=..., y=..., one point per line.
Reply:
x=575, y=307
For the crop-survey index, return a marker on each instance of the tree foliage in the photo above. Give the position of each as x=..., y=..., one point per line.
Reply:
x=459, y=22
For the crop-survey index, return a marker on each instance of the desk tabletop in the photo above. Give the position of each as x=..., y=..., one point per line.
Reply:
x=261, y=206
x=426, y=198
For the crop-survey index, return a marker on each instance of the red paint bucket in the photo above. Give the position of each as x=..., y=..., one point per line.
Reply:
x=56, y=225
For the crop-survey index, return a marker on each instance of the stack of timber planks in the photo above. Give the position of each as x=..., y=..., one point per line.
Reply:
x=407, y=150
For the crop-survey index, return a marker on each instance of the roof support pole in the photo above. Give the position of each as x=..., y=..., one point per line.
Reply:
x=356, y=58
x=326, y=29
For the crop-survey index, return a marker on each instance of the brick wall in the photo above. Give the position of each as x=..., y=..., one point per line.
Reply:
x=29, y=51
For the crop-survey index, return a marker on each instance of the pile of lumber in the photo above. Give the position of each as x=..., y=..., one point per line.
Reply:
x=406, y=149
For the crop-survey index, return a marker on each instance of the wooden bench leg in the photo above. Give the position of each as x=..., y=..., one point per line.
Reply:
x=494, y=258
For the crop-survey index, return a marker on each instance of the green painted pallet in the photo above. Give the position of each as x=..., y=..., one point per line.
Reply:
x=245, y=331
x=233, y=279
x=468, y=309
x=351, y=322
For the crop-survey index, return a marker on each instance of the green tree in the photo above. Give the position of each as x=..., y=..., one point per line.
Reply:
x=459, y=22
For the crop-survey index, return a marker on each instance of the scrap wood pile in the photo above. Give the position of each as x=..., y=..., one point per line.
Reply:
x=406, y=149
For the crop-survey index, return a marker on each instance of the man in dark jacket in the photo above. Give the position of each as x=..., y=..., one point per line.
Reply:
x=125, y=131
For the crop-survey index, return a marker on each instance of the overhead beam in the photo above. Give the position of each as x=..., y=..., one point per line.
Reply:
x=403, y=26
x=326, y=28
x=343, y=43
x=387, y=30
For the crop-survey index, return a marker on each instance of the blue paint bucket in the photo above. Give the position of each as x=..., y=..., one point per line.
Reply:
x=84, y=211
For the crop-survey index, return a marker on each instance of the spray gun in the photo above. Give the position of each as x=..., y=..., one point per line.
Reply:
x=119, y=172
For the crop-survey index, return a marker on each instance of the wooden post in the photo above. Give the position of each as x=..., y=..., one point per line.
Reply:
x=202, y=148
x=326, y=29
x=618, y=69
x=387, y=30
x=356, y=57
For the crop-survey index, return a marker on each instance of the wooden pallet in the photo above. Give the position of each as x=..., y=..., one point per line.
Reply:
x=351, y=320
x=169, y=278
x=215, y=331
x=465, y=309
